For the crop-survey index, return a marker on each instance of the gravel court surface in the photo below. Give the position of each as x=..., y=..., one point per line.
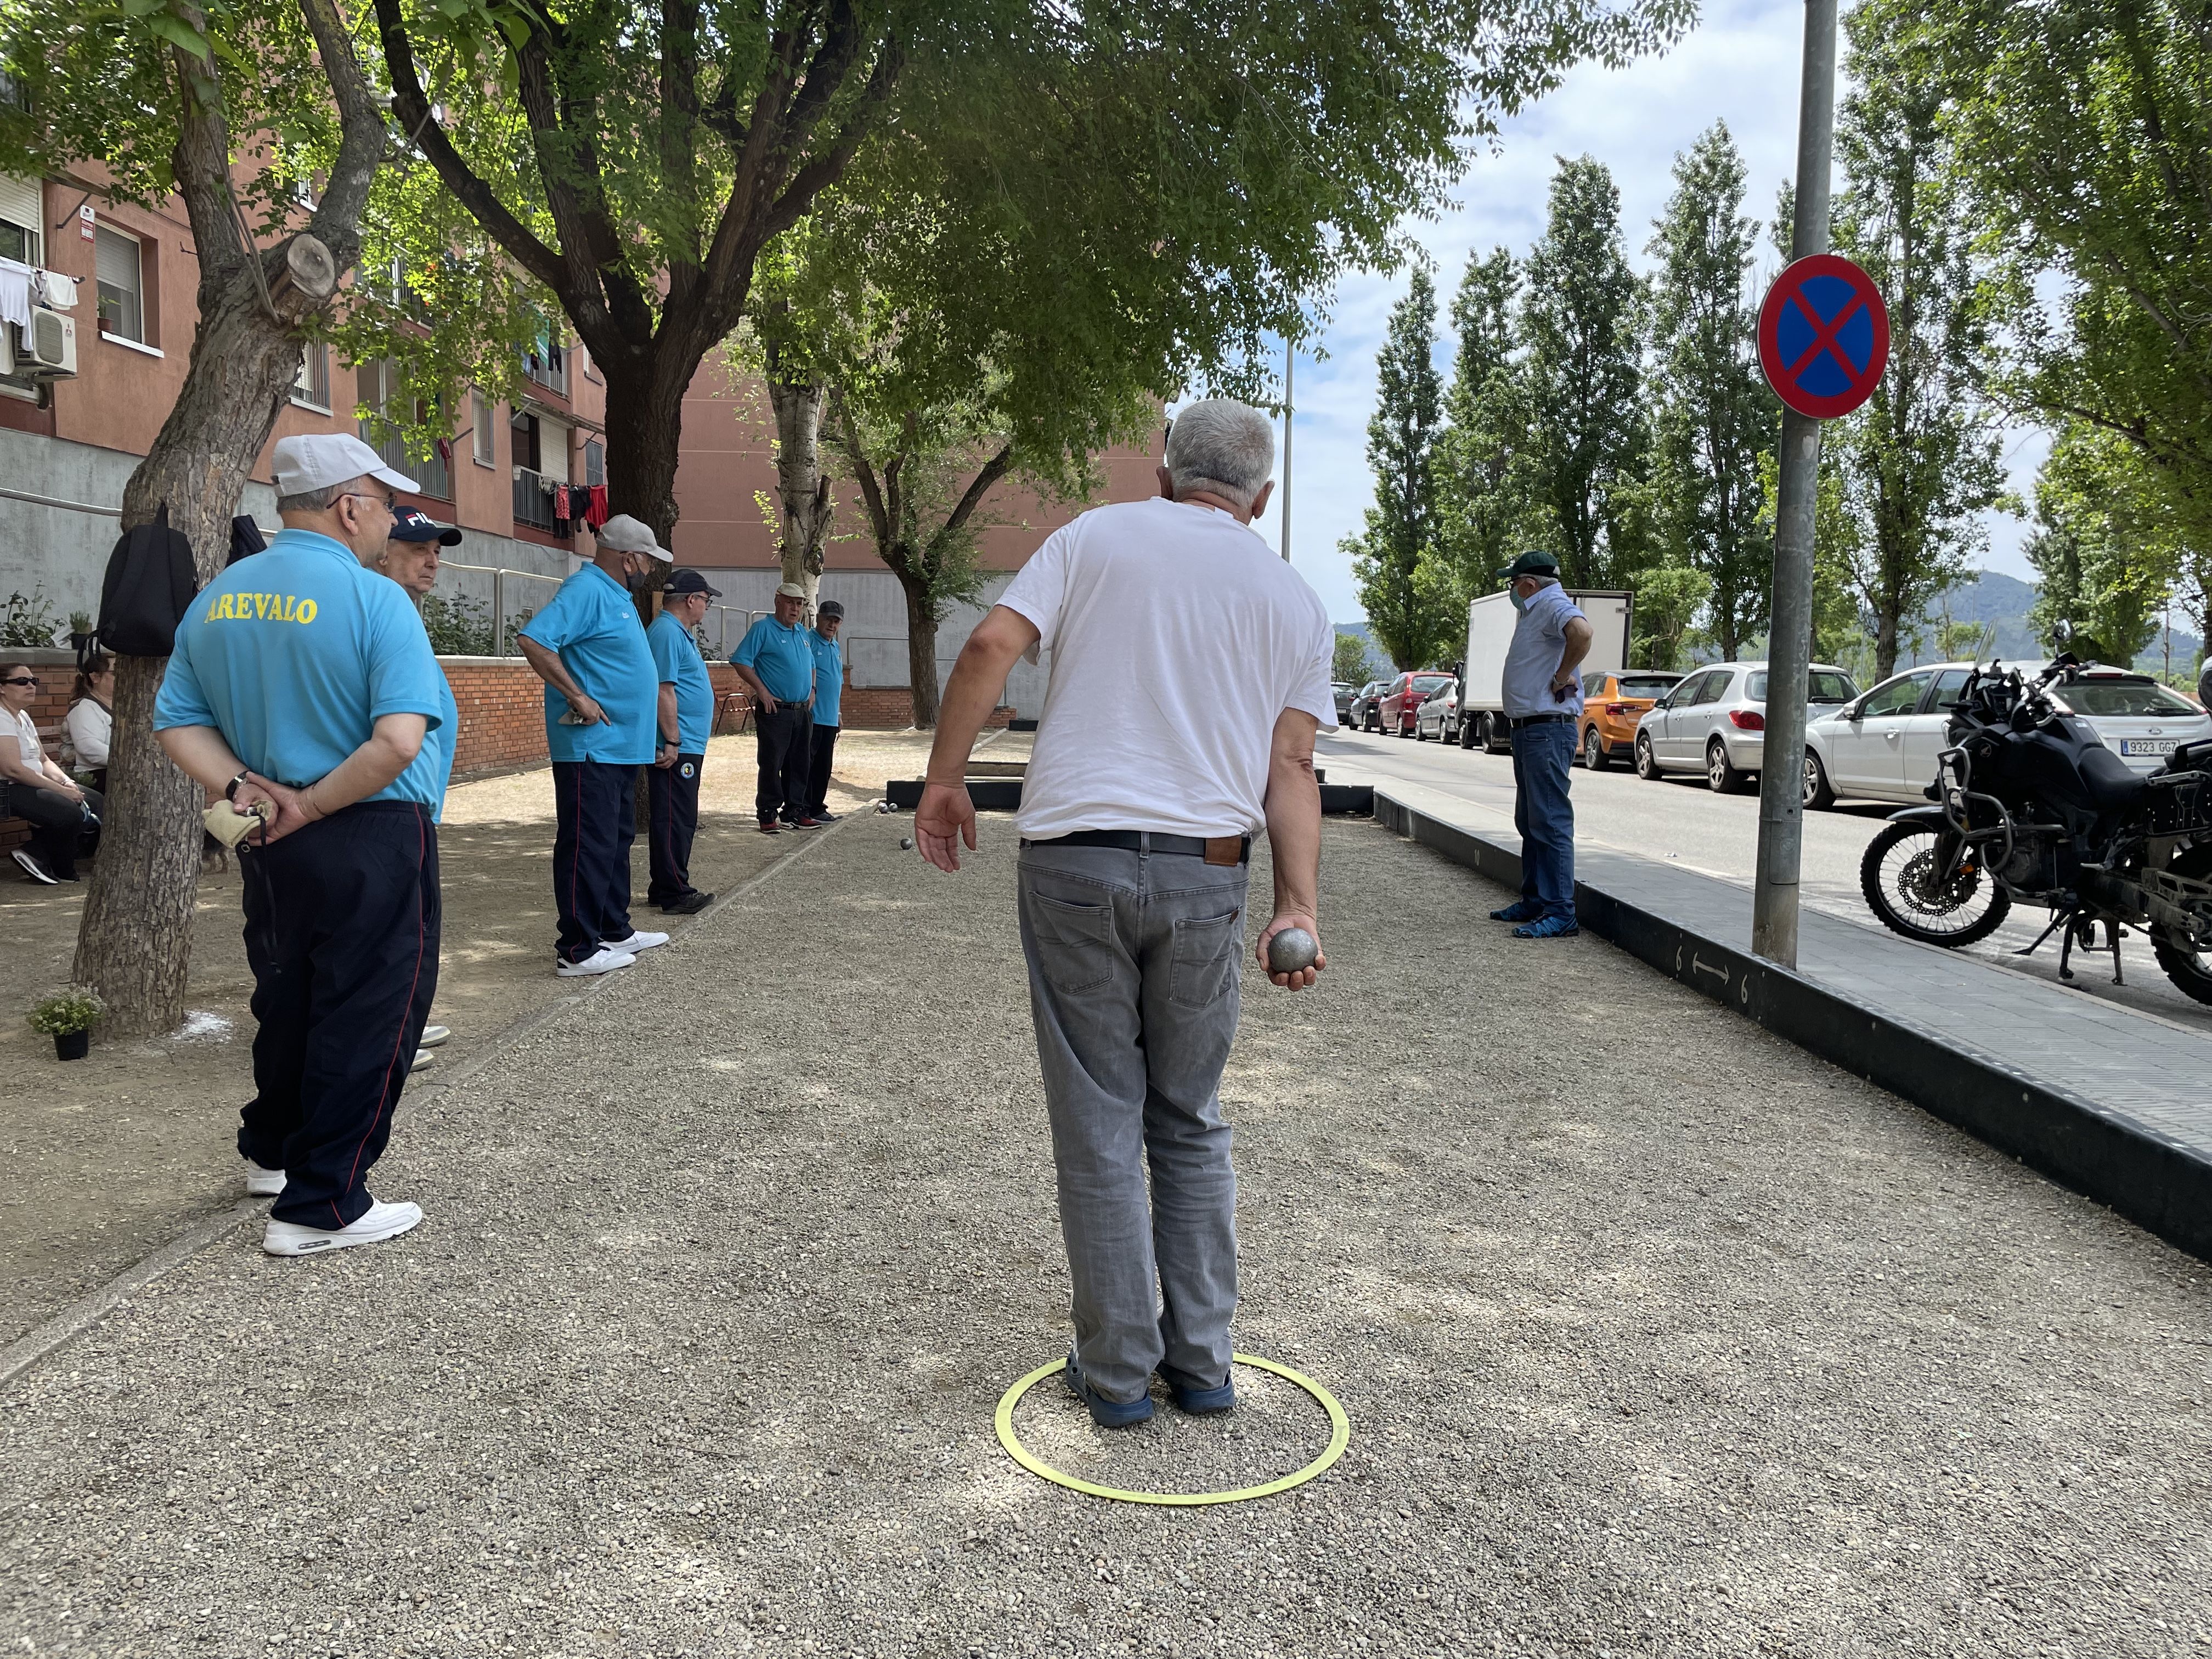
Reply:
x=1656, y=1337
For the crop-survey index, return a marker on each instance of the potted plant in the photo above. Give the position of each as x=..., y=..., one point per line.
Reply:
x=80, y=630
x=68, y=1017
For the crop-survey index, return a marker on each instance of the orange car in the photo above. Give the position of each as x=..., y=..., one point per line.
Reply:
x=1613, y=702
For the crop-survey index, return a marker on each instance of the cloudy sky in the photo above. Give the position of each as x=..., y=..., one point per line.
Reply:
x=1740, y=66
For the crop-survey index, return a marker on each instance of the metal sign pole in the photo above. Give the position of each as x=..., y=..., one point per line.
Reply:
x=1789, y=643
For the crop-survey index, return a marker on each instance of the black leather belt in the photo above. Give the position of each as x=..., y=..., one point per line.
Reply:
x=1518, y=721
x=1150, y=840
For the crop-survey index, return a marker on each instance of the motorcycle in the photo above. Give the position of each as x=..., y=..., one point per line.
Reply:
x=2030, y=806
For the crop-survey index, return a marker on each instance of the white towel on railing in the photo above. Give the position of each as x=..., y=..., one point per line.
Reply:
x=15, y=292
x=50, y=287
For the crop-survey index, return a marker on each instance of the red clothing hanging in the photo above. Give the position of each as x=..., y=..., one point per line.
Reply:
x=560, y=501
x=595, y=505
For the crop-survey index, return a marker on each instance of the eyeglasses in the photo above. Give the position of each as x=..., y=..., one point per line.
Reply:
x=390, y=504
x=21, y=679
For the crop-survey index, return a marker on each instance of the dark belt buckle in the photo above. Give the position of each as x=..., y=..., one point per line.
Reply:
x=1224, y=850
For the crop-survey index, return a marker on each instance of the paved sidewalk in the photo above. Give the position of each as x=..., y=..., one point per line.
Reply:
x=1656, y=1337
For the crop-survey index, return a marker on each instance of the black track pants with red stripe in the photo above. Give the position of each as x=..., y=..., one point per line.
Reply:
x=341, y=922
x=594, y=822
x=671, y=794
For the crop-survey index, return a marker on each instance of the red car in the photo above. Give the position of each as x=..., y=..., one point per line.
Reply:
x=1393, y=711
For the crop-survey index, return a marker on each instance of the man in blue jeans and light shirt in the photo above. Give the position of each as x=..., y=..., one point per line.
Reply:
x=1543, y=697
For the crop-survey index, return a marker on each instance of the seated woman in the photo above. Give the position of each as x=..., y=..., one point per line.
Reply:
x=90, y=721
x=35, y=788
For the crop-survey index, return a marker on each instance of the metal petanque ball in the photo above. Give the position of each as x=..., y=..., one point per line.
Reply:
x=906, y=843
x=1292, y=950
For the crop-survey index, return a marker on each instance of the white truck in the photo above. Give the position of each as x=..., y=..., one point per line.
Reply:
x=1490, y=622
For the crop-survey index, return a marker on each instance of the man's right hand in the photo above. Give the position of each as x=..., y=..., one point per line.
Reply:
x=944, y=822
x=290, y=809
x=587, y=710
x=764, y=700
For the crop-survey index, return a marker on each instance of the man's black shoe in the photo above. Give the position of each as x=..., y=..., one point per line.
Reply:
x=690, y=905
x=824, y=817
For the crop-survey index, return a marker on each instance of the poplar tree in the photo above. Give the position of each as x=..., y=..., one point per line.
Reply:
x=1715, y=414
x=1402, y=524
x=1480, y=461
x=1582, y=324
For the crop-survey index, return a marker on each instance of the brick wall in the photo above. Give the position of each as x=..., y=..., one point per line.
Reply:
x=502, y=704
x=890, y=708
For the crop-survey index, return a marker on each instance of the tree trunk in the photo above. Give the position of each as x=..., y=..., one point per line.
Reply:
x=920, y=651
x=801, y=483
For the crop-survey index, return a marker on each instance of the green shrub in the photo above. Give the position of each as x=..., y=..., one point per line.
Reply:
x=73, y=1010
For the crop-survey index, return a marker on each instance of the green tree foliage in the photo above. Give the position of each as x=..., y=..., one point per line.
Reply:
x=1479, y=462
x=2083, y=133
x=1352, y=662
x=1402, y=524
x=2109, y=545
x=1581, y=321
x=1919, y=463
x=1839, y=636
x=1714, y=414
x=1668, y=599
x=634, y=160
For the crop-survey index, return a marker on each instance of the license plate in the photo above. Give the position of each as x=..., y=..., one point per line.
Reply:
x=2148, y=745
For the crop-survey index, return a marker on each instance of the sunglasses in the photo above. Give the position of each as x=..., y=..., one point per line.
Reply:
x=21, y=679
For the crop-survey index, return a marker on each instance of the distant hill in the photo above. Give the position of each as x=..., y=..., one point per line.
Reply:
x=1992, y=596
x=1376, y=654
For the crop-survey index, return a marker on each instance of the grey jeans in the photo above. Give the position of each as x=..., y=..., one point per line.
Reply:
x=1132, y=960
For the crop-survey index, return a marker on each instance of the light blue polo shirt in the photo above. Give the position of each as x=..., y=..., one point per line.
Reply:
x=295, y=654
x=676, y=660
x=433, y=766
x=593, y=623
x=1532, y=657
x=780, y=656
x=829, y=676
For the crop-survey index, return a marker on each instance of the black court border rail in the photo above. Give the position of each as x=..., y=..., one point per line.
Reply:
x=2160, y=1183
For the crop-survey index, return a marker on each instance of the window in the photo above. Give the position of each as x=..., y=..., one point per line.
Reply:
x=480, y=428
x=522, y=435
x=1647, y=685
x=1948, y=684
x=1900, y=697
x=546, y=364
x=21, y=208
x=1705, y=689
x=312, y=387
x=1821, y=685
x=595, y=462
x=119, y=266
x=2118, y=699
x=389, y=412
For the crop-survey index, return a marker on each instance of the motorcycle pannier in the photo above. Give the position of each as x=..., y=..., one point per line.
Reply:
x=2179, y=804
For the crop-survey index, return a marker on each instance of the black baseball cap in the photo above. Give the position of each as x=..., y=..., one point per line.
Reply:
x=412, y=524
x=690, y=581
x=1534, y=562
x=830, y=609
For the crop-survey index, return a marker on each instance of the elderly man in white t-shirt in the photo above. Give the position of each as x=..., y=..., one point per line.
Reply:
x=1190, y=671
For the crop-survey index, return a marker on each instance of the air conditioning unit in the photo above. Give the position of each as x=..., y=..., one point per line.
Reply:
x=46, y=350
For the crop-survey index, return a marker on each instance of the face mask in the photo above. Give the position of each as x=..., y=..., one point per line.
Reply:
x=1514, y=594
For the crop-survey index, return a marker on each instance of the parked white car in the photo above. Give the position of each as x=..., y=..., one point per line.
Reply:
x=1714, y=722
x=1883, y=746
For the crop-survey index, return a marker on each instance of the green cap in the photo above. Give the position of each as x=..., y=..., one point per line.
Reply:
x=1532, y=563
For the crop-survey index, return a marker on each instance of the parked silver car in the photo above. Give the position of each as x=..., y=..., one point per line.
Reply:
x=1883, y=746
x=1438, y=717
x=1360, y=713
x=1715, y=722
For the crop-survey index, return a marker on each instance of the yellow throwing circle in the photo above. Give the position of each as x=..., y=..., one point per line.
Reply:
x=1340, y=1438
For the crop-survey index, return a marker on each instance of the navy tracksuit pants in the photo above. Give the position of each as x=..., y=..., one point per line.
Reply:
x=595, y=809
x=342, y=925
x=672, y=805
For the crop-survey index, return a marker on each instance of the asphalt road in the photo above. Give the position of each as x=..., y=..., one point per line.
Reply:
x=1684, y=823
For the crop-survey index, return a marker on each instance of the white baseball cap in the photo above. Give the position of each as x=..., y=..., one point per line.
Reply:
x=316, y=460
x=790, y=590
x=627, y=535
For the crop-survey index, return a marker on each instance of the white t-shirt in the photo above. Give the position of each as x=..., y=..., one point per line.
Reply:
x=90, y=729
x=26, y=739
x=1177, y=638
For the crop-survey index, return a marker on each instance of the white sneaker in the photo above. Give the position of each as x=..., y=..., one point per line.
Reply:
x=422, y=1057
x=435, y=1035
x=604, y=960
x=380, y=1222
x=263, y=1183
x=636, y=942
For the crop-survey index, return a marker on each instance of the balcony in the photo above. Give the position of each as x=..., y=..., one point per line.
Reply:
x=533, y=503
x=548, y=367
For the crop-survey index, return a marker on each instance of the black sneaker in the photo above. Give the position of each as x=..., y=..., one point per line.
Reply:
x=690, y=905
x=824, y=817
x=36, y=870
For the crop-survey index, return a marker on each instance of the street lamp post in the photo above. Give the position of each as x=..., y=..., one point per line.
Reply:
x=1790, y=643
x=1290, y=412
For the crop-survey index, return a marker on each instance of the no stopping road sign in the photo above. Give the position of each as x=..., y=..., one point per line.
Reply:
x=1823, y=336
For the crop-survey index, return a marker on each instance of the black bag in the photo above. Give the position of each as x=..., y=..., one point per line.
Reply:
x=245, y=540
x=150, y=579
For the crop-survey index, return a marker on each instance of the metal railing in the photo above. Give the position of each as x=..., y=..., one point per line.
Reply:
x=533, y=502
x=500, y=576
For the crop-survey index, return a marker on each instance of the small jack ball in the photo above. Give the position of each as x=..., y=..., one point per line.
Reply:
x=1292, y=950
x=906, y=843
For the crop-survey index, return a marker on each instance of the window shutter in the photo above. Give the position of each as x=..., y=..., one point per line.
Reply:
x=116, y=259
x=22, y=204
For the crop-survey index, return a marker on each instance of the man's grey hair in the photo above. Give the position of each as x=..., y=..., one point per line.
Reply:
x=315, y=501
x=1222, y=447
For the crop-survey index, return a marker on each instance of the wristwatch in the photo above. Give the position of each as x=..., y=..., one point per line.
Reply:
x=230, y=789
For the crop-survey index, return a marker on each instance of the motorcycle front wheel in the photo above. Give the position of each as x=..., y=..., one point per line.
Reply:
x=2189, y=970
x=1901, y=876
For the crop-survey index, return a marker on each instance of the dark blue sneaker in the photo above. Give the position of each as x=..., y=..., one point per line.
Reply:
x=1526, y=910
x=1107, y=1413
x=1202, y=1403
x=1549, y=927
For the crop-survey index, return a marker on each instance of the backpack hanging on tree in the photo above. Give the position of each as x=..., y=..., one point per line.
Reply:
x=150, y=579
